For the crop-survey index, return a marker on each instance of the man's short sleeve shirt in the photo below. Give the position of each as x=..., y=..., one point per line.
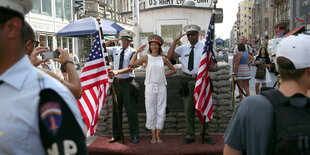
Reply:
x=250, y=128
x=19, y=129
x=184, y=52
x=116, y=53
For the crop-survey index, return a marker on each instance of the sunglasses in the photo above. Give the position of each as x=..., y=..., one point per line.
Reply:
x=34, y=41
x=191, y=34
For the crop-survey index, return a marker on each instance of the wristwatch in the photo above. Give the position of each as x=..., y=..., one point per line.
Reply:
x=67, y=61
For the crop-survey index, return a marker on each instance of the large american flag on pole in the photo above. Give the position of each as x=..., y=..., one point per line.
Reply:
x=202, y=92
x=94, y=81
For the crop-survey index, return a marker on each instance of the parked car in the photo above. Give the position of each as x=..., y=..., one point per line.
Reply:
x=272, y=51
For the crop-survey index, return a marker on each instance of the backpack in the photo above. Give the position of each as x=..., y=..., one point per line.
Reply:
x=291, y=125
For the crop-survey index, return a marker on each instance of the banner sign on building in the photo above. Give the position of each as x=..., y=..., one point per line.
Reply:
x=158, y=3
x=79, y=5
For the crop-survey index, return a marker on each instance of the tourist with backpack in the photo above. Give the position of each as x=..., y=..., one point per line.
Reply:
x=276, y=121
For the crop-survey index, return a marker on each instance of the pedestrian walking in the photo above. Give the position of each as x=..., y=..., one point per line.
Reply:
x=242, y=70
x=235, y=53
x=155, y=84
x=262, y=62
x=123, y=77
x=37, y=113
x=262, y=123
x=190, y=54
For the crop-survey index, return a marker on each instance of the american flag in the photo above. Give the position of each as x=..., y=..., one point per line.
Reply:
x=202, y=92
x=94, y=81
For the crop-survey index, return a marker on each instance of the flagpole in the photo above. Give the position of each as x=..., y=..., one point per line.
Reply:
x=204, y=117
x=107, y=63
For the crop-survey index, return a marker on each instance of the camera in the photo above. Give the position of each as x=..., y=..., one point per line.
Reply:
x=50, y=54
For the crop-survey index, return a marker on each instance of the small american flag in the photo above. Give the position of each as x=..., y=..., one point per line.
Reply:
x=94, y=81
x=202, y=92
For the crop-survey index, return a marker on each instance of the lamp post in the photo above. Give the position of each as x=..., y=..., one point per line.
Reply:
x=136, y=23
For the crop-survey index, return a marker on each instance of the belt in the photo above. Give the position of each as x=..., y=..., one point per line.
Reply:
x=190, y=75
x=123, y=80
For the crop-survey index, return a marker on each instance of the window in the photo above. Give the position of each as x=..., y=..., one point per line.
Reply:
x=266, y=5
x=68, y=12
x=36, y=6
x=58, y=8
x=266, y=22
x=171, y=31
x=47, y=7
x=50, y=42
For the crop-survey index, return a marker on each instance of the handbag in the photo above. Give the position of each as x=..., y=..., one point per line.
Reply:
x=260, y=71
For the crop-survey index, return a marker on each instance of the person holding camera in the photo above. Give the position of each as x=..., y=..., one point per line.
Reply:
x=262, y=62
x=73, y=83
x=123, y=78
x=155, y=85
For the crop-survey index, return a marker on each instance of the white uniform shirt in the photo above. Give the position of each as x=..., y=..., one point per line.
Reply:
x=19, y=99
x=116, y=52
x=184, y=52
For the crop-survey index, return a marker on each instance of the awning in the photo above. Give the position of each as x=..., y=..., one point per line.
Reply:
x=295, y=31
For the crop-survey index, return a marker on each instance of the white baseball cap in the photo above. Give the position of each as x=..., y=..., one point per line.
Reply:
x=296, y=49
x=22, y=6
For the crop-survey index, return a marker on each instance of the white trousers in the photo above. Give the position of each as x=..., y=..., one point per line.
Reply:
x=155, y=105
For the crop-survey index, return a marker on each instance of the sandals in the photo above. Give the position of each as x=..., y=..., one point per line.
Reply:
x=153, y=141
x=159, y=141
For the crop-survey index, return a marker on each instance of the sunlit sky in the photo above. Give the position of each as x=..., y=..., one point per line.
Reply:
x=230, y=9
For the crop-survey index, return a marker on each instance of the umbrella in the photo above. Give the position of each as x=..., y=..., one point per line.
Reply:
x=87, y=27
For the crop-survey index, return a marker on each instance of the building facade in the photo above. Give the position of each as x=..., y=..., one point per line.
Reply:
x=246, y=18
x=300, y=14
x=47, y=17
x=282, y=17
x=168, y=19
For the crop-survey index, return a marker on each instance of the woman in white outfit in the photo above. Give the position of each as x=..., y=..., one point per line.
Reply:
x=155, y=85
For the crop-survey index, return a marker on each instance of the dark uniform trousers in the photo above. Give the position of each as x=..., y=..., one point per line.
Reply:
x=190, y=111
x=124, y=98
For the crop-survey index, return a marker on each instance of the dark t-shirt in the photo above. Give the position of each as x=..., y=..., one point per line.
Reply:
x=263, y=59
x=250, y=128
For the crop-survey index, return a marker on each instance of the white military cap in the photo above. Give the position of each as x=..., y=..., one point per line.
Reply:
x=126, y=34
x=191, y=28
x=22, y=6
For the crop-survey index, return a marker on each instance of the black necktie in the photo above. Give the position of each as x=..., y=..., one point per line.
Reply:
x=191, y=59
x=121, y=59
x=1, y=82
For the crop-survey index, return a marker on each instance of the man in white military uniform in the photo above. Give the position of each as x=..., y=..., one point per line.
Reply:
x=190, y=54
x=123, y=75
x=31, y=121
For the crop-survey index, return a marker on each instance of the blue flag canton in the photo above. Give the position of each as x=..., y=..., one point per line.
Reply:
x=209, y=37
x=96, y=50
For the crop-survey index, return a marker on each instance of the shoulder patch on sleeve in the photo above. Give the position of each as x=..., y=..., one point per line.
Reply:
x=51, y=116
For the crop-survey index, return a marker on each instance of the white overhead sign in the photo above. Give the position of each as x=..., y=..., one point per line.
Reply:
x=158, y=3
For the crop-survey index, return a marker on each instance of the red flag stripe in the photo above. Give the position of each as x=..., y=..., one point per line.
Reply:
x=92, y=76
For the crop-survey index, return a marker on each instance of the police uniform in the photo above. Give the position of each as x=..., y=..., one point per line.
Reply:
x=19, y=93
x=184, y=53
x=123, y=89
x=27, y=115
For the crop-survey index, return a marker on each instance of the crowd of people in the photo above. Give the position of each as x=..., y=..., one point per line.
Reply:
x=39, y=112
